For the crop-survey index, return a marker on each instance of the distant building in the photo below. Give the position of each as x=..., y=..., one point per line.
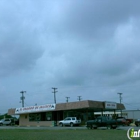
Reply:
x=132, y=114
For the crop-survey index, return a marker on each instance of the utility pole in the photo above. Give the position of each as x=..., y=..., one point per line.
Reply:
x=54, y=94
x=120, y=96
x=22, y=97
x=67, y=99
x=79, y=98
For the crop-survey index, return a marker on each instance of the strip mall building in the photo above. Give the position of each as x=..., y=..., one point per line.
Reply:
x=46, y=115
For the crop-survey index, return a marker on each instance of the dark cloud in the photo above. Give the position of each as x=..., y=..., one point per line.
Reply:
x=20, y=42
x=81, y=47
x=94, y=19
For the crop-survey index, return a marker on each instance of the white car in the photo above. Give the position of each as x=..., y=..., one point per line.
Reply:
x=71, y=121
x=5, y=122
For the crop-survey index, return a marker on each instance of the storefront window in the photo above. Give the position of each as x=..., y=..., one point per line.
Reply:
x=48, y=116
x=44, y=116
x=34, y=117
x=74, y=113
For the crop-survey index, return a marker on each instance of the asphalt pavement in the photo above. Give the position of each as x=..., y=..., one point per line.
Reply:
x=61, y=128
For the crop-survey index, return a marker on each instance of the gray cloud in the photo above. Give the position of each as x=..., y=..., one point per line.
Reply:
x=94, y=19
x=20, y=42
x=82, y=47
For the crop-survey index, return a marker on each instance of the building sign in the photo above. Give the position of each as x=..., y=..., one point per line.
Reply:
x=110, y=105
x=31, y=109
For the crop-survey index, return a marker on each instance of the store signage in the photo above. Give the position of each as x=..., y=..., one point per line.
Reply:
x=31, y=109
x=110, y=105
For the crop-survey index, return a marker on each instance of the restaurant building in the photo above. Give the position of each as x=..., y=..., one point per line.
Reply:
x=50, y=114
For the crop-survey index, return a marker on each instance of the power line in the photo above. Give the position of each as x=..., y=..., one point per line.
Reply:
x=132, y=105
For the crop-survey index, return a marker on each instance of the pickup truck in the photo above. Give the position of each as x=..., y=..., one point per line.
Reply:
x=71, y=121
x=102, y=121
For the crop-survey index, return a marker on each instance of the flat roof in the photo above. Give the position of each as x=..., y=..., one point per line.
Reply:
x=85, y=104
x=89, y=104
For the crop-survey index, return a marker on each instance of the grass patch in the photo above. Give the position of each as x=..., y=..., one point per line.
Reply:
x=22, y=134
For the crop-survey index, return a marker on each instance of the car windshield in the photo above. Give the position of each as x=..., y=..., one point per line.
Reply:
x=120, y=119
x=67, y=119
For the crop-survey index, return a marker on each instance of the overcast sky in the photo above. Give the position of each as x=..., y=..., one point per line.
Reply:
x=87, y=48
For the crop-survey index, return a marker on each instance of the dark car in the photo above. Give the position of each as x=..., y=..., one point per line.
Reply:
x=123, y=121
x=102, y=121
x=137, y=122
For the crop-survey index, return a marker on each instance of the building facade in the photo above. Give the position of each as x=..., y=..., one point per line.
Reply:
x=50, y=114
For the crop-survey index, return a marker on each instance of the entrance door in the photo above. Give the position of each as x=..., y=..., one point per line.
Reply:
x=57, y=115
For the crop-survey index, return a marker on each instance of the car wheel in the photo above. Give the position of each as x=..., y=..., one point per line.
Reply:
x=114, y=127
x=71, y=124
x=61, y=124
x=136, y=125
x=91, y=127
x=128, y=124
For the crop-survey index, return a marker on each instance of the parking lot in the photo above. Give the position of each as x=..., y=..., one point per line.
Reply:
x=60, y=128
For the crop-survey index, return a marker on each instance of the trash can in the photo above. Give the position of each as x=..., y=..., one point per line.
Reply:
x=54, y=123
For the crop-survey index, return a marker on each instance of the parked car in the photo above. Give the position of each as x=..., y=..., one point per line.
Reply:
x=130, y=120
x=5, y=122
x=102, y=121
x=123, y=121
x=71, y=121
x=137, y=122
